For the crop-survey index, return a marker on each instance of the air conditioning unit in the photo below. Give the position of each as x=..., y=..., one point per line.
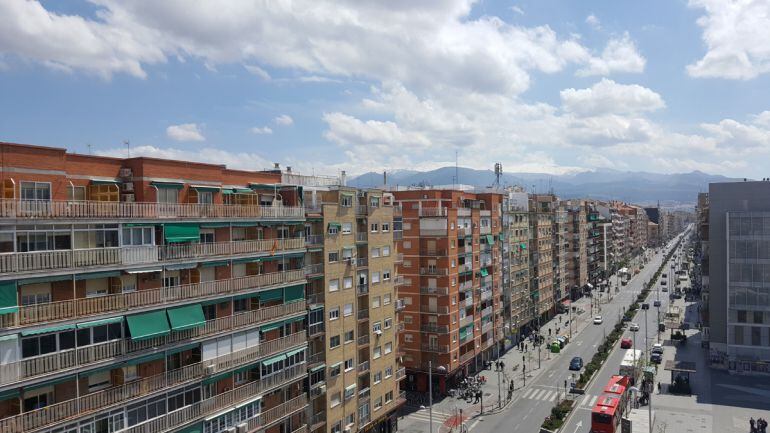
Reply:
x=229, y=430
x=210, y=369
x=242, y=428
x=378, y=332
x=126, y=172
x=129, y=198
x=347, y=430
x=128, y=186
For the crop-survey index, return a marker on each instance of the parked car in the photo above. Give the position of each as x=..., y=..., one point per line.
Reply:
x=664, y=275
x=563, y=340
x=598, y=320
x=664, y=289
x=626, y=343
x=656, y=303
x=576, y=364
x=656, y=358
x=633, y=327
x=657, y=348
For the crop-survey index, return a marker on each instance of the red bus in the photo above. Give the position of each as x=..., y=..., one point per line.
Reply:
x=610, y=406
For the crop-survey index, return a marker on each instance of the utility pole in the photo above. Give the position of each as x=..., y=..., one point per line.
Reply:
x=499, y=390
x=430, y=396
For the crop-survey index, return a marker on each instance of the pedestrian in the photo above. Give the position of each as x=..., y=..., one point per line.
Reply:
x=511, y=387
x=751, y=423
x=525, y=348
x=502, y=366
x=478, y=396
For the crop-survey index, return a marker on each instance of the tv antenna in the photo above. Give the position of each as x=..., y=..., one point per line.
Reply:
x=128, y=148
x=498, y=174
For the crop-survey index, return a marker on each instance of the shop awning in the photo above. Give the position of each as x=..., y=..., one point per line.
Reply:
x=101, y=322
x=271, y=295
x=246, y=296
x=523, y=246
x=243, y=191
x=173, y=185
x=187, y=317
x=206, y=188
x=248, y=260
x=8, y=299
x=214, y=225
x=9, y=337
x=294, y=293
x=11, y=393
x=182, y=232
x=245, y=224
x=148, y=325
x=94, y=275
x=227, y=191
x=47, y=330
x=490, y=239
x=294, y=319
x=316, y=368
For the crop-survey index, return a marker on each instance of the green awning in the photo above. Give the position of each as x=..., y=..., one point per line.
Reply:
x=274, y=359
x=248, y=260
x=490, y=239
x=182, y=348
x=9, y=337
x=195, y=428
x=47, y=330
x=294, y=293
x=338, y=226
x=484, y=272
x=245, y=224
x=264, y=185
x=109, y=367
x=187, y=317
x=49, y=383
x=463, y=333
x=93, y=323
x=271, y=326
x=206, y=188
x=8, y=299
x=295, y=319
x=148, y=325
x=227, y=191
x=216, y=378
x=214, y=225
x=243, y=191
x=103, y=182
x=146, y=358
x=181, y=232
x=11, y=393
x=94, y=275
x=246, y=296
x=316, y=368
x=523, y=246
x=246, y=368
x=271, y=295
x=294, y=352
x=49, y=279
x=219, y=263
x=174, y=185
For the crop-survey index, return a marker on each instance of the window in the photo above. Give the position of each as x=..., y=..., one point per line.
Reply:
x=347, y=253
x=335, y=401
x=453, y=263
x=337, y=427
x=408, y=338
x=350, y=419
x=374, y=201
x=335, y=370
x=376, y=302
x=334, y=256
x=388, y=396
x=35, y=191
x=76, y=193
x=205, y=197
x=375, y=252
x=388, y=371
x=388, y=348
x=388, y=323
x=333, y=229
x=138, y=236
x=378, y=377
x=385, y=251
x=741, y=316
x=334, y=285
x=334, y=341
x=347, y=228
x=408, y=320
x=385, y=227
x=386, y=299
x=377, y=352
x=334, y=313
x=349, y=336
x=168, y=195
x=206, y=236
x=407, y=300
x=376, y=327
x=347, y=310
x=346, y=200
x=350, y=391
x=407, y=244
x=349, y=364
x=374, y=227
x=375, y=277
x=347, y=282
x=378, y=403
x=385, y=275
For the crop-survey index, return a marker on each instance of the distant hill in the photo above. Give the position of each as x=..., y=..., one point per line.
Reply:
x=630, y=186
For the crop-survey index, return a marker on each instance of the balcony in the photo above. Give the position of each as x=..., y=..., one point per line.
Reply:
x=314, y=269
x=74, y=359
x=398, y=258
x=33, y=209
x=362, y=209
x=363, y=367
x=434, y=309
x=362, y=289
x=400, y=373
x=435, y=348
x=486, y=327
x=432, y=252
x=435, y=329
x=317, y=420
x=314, y=240
x=123, y=302
x=363, y=340
x=362, y=262
x=398, y=235
x=315, y=329
x=486, y=311
x=363, y=314
x=434, y=290
x=137, y=255
x=486, y=295
x=467, y=320
x=433, y=271
x=362, y=237
x=100, y=400
x=399, y=304
x=467, y=356
x=433, y=211
x=468, y=301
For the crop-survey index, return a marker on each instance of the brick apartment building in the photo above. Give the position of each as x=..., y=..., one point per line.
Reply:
x=542, y=217
x=452, y=290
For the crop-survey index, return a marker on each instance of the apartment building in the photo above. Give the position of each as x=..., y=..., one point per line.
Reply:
x=354, y=374
x=542, y=217
x=517, y=304
x=577, y=247
x=560, y=253
x=452, y=289
x=598, y=235
x=702, y=235
x=739, y=294
x=149, y=295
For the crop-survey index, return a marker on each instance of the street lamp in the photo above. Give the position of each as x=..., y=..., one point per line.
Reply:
x=441, y=369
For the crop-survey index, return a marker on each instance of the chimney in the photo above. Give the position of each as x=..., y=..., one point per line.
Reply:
x=288, y=169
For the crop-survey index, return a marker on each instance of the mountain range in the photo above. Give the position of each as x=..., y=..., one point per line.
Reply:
x=637, y=187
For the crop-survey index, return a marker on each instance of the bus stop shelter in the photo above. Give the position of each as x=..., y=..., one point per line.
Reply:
x=680, y=368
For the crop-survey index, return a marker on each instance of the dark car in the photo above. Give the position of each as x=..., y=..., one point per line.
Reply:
x=576, y=364
x=656, y=358
x=656, y=303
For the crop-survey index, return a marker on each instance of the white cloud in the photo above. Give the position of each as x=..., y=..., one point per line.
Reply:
x=607, y=97
x=593, y=21
x=736, y=35
x=259, y=72
x=284, y=120
x=262, y=131
x=185, y=132
x=620, y=55
x=517, y=9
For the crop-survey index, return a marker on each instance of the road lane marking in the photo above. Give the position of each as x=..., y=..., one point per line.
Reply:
x=550, y=396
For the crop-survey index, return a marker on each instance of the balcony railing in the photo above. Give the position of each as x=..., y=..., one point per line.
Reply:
x=434, y=271
x=362, y=237
x=93, y=354
x=100, y=400
x=363, y=367
x=434, y=290
x=137, y=255
x=432, y=252
x=398, y=235
x=362, y=209
x=435, y=329
x=467, y=320
x=314, y=240
x=433, y=211
x=435, y=309
x=437, y=348
x=467, y=356
x=363, y=340
x=400, y=373
x=135, y=210
x=314, y=268
x=363, y=314
x=362, y=289
x=362, y=262
x=88, y=307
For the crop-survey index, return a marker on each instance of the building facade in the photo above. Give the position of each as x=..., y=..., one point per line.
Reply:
x=577, y=250
x=517, y=303
x=542, y=217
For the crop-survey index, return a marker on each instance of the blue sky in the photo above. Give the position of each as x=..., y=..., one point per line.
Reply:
x=541, y=86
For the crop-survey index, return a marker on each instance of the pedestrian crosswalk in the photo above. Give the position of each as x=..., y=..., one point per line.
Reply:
x=540, y=394
x=423, y=415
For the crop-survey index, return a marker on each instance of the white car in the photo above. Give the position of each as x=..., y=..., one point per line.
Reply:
x=633, y=327
x=597, y=320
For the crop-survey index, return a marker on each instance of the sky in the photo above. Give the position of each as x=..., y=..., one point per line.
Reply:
x=543, y=86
